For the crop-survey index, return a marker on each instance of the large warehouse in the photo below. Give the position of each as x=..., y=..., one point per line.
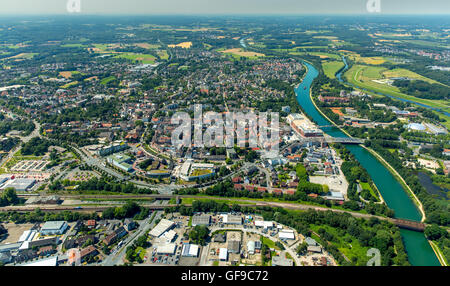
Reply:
x=190, y=250
x=201, y=220
x=54, y=227
x=162, y=227
x=166, y=249
x=20, y=185
x=286, y=234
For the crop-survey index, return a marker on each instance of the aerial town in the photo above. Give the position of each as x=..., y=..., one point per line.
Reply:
x=90, y=174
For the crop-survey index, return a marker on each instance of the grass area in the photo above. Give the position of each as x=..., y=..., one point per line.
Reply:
x=362, y=76
x=21, y=56
x=239, y=52
x=163, y=55
x=73, y=46
x=200, y=172
x=347, y=244
x=189, y=201
x=243, y=200
x=142, y=58
x=269, y=243
x=325, y=55
x=107, y=79
x=441, y=257
x=366, y=186
x=147, y=46
x=331, y=68
x=140, y=252
x=70, y=84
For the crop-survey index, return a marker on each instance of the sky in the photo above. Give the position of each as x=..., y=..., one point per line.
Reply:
x=22, y=7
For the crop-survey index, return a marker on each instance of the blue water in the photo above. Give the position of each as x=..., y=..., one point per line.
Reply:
x=419, y=251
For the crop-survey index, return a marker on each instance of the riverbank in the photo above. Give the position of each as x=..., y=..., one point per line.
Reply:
x=438, y=253
x=400, y=179
x=418, y=248
x=346, y=133
x=397, y=176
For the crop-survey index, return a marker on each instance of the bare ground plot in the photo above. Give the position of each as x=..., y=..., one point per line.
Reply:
x=336, y=183
x=15, y=231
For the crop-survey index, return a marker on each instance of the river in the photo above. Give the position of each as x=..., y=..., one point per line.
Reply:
x=419, y=251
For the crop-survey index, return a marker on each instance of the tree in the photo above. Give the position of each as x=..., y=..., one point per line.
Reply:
x=9, y=197
x=301, y=249
x=199, y=234
x=434, y=232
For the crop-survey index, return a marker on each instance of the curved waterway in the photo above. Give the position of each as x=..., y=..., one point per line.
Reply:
x=419, y=250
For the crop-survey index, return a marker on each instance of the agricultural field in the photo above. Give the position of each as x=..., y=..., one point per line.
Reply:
x=363, y=76
x=163, y=55
x=68, y=74
x=331, y=68
x=70, y=84
x=147, y=46
x=184, y=45
x=73, y=46
x=238, y=52
x=142, y=58
x=21, y=56
x=107, y=79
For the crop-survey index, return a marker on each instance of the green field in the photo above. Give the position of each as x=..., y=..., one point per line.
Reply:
x=163, y=55
x=73, y=46
x=346, y=244
x=269, y=243
x=324, y=55
x=107, y=79
x=70, y=84
x=331, y=68
x=143, y=58
x=366, y=186
x=362, y=76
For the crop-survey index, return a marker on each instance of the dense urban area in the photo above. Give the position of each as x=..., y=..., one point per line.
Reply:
x=89, y=174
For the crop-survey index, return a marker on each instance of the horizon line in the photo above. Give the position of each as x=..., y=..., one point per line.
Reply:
x=225, y=14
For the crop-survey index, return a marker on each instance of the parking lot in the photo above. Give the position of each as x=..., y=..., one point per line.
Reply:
x=30, y=166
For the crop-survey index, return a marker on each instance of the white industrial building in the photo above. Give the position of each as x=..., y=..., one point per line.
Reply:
x=251, y=247
x=189, y=166
x=161, y=227
x=20, y=185
x=54, y=227
x=264, y=224
x=166, y=249
x=286, y=234
x=27, y=235
x=223, y=254
x=50, y=261
x=231, y=219
x=169, y=236
x=190, y=250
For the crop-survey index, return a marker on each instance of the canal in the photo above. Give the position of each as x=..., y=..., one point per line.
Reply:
x=419, y=251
